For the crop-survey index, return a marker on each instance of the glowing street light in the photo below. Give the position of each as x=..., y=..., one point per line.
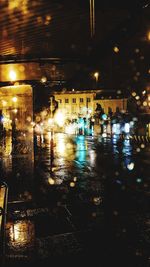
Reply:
x=96, y=75
x=116, y=49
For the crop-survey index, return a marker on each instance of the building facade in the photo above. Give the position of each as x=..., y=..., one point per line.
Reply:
x=77, y=104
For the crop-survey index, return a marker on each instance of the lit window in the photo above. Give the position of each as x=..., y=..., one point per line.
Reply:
x=66, y=100
x=88, y=99
x=81, y=100
x=73, y=100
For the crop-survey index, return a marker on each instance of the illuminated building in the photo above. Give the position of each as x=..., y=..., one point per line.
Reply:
x=83, y=103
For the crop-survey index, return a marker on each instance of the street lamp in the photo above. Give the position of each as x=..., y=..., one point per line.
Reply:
x=96, y=75
x=116, y=49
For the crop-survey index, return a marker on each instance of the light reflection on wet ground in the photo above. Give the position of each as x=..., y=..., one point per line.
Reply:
x=90, y=187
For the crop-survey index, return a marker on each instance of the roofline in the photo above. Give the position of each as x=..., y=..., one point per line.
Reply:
x=83, y=91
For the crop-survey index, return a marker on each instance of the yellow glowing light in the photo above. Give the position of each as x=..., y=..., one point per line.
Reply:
x=12, y=75
x=72, y=184
x=43, y=79
x=134, y=94
x=15, y=110
x=29, y=119
x=33, y=123
x=21, y=234
x=13, y=4
x=148, y=36
x=18, y=4
x=144, y=92
x=116, y=49
x=51, y=181
x=48, y=17
x=144, y=103
x=149, y=98
x=96, y=75
x=97, y=200
x=137, y=97
x=59, y=118
x=14, y=99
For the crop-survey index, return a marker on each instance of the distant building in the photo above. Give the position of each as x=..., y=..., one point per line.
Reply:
x=83, y=103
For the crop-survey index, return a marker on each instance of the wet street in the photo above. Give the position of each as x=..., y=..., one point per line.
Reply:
x=78, y=198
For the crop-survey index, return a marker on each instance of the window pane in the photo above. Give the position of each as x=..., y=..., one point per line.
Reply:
x=66, y=100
